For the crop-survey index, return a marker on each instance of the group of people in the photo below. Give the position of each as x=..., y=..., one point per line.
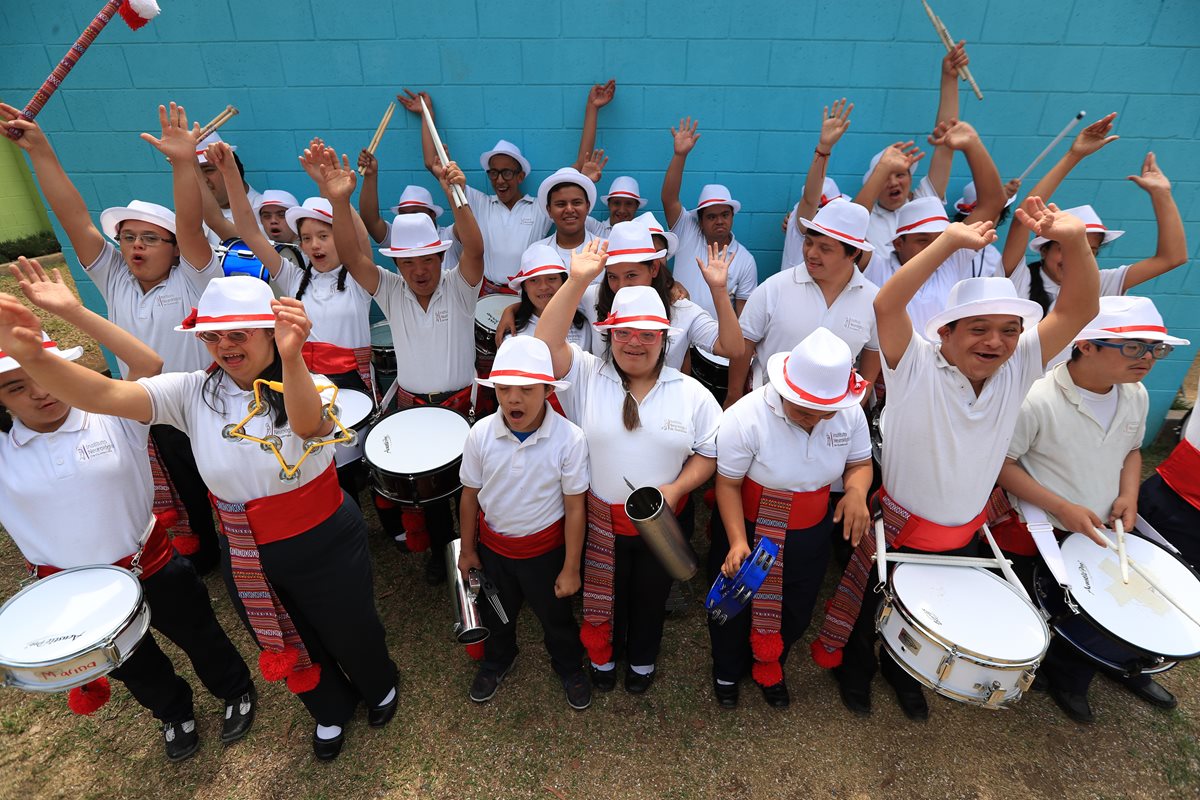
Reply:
x=881, y=299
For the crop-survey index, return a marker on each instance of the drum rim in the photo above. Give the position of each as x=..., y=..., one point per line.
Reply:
x=380, y=421
x=893, y=598
x=372, y=470
x=137, y=609
x=365, y=421
x=944, y=691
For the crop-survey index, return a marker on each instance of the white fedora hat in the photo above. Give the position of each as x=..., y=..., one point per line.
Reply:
x=627, y=188
x=522, y=361
x=8, y=363
x=238, y=301
x=567, y=175
x=505, y=148
x=912, y=168
x=966, y=204
x=275, y=197
x=716, y=194
x=981, y=297
x=111, y=218
x=538, y=259
x=1091, y=222
x=637, y=307
x=630, y=242
x=1128, y=317
x=842, y=220
x=829, y=191
x=212, y=138
x=648, y=219
x=818, y=373
x=416, y=197
x=922, y=215
x=414, y=235
x=317, y=208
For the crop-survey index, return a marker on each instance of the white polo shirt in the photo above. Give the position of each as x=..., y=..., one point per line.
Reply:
x=235, y=471
x=1112, y=281
x=1065, y=448
x=743, y=272
x=340, y=318
x=435, y=347
x=756, y=440
x=445, y=233
x=933, y=295
x=78, y=495
x=506, y=232
x=943, y=446
x=580, y=337
x=565, y=253
x=881, y=229
x=697, y=328
x=152, y=316
x=789, y=305
x=679, y=417
x=521, y=484
x=793, y=242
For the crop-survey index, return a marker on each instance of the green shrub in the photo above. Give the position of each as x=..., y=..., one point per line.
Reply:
x=38, y=244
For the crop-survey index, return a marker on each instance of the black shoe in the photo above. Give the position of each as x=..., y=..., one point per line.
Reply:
x=181, y=739
x=379, y=716
x=435, y=568
x=777, y=695
x=727, y=696
x=578, y=689
x=912, y=703
x=486, y=682
x=1149, y=690
x=1073, y=705
x=857, y=701
x=636, y=683
x=604, y=680
x=328, y=749
x=239, y=716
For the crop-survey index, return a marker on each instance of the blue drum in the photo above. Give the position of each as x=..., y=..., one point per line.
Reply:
x=238, y=259
x=727, y=598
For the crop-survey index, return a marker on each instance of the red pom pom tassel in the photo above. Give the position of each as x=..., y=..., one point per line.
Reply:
x=89, y=698
x=597, y=639
x=131, y=17
x=766, y=673
x=766, y=646
x=824, y=657
x=277, y=666
x=475, y=650
x=186, y=544
x=304, y=680
x=418, y=534
x=710, y=497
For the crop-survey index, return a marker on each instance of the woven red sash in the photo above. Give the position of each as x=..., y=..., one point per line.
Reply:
x=488, y=287
x=599, y=569
x=1181, y=471
x=530, y=546
x=167, y=502
x=1010, y=533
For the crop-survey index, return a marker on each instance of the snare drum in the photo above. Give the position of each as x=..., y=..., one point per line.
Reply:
x=964, y=632
x=238, y=259
x=1126, y=627
x=413, y=455
x=71, y=628
x=354, y=411
x=712, y=371
x=487, y=320
x=383, y=353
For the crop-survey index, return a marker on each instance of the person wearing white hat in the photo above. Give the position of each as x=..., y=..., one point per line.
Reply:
x=303, y=582
x=271, y=210
x=709, y=223
x=115, y=476
x=1170, y=498
x=523, y=514
x=1040, y=280
x=826, y=290
x=215, y=189
x=818, y=188
x=541, y=275
x=811, y=405
x=568, y=197
x=646, y=425
x=954, y=394
x=988, y=261
x=509, y=219
x=1076, y=455
x=431, y=311
x=624, y=201
x=413, y=200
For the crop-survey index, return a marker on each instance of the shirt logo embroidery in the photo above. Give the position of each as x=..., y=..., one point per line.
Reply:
x=89, y=450
x=852, y=324
x=168, y=301
x=441, y=316
x=674, y=426
x=837, y=439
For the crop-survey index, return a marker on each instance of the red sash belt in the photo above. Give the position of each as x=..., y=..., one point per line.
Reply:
x=328, y=359
x=1181, y=471
x=531, y=546
x=283, y=516
x=623, y=525
x=806, y=508
x=459, y=401
x=922, y=534
x=155, y=554
x=487, y=287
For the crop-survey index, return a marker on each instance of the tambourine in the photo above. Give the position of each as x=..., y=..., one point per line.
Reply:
x=727, y=598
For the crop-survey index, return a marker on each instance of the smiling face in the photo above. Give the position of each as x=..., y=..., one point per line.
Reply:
x=540, y=288
x=245, y=360
x=631, y=273
x=523, y=407
x=1052, y=256
x=150, y=265
x=316, y=240
x=978, y=346
x=507, y=189
x=421, y=273
x=28, y=402
x=896, y=190
x=621, y=209
x=567, y=205
x=826, y=258
x=716, y=222
x=274, y=222
x=636, y=358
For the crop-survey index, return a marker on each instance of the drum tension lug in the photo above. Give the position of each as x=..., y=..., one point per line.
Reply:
x=946, y=665
x=996, y=695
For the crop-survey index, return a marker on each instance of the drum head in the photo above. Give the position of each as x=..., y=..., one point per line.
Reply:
x=416, y=440
x=1135, y=612
x=356, y=406
x=66, y=613
x=381, y=334
x=488, y=309
x=712, y=358
x=972, y=609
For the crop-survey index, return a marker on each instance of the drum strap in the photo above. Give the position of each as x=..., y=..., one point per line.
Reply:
x=530, y=546
x=1181, y=471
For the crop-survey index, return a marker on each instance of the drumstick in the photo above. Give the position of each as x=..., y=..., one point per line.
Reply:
x=1050, y=146
x=944, y=34
x=1148, y=577
x=1121, y=554
x=220, y=119
x=383, y=123
x=880, y=551
x=1002, y=562
x=456, y=191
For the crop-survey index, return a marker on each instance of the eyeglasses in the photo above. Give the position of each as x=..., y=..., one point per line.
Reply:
x=507, y=174
x=623, y=335
x=1132, y=348
x=148, y=239
x=212, y=337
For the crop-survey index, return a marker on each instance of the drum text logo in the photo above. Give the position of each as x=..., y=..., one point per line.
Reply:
x=66, y=637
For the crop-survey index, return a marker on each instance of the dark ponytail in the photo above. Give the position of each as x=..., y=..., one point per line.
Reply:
x=272, y=398
x=307, y=279
x=1037, y=286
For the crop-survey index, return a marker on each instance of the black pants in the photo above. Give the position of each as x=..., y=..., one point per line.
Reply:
x=180, y=610
x=352, y=477
x=1172, y=516
x=859, y=662
x=641, y=587
x=323, y=578
x=806, y=553
x=520, y=580
x=175, y=452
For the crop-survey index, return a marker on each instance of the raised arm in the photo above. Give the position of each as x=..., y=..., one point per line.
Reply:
x=338, y=182
x=833, y=125
x=412, y=102
x=368, y=196
x=466, y=229
x=716, y=275
x=685, y=138
x=62, y=196
x=1171, y=250
x=211, y=211
x=598, y=97
x=555, y=322
x=178, y=144
x=244, y=218
x=300, y=396
x=940, y=162
x=896, y=158
x=311, y=160
x=51, y=293
x=954, y=135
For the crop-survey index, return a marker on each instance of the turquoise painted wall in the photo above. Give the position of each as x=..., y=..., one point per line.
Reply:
x=755, y=74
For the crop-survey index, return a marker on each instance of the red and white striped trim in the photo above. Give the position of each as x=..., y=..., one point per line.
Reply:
x=625, y=194
x=1095, y=226
x=632, y=250
x=836, y=232
x=520, y=373
x=722, y=201
x=419, y=246
x=45, y=346
x=852, y=387
x=918, y=223
x=1137, y=328
x=615, y=322
x=420, y=203
x=536, y=270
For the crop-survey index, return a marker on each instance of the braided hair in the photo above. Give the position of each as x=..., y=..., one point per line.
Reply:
x=308, y=270
x=272, y=398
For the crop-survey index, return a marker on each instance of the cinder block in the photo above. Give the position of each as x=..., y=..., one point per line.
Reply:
x=323, y=64
x=779, y=20
x=166, y=66
x=1188, y=77
x=905, y=65
x=102, y=67
x=736, y=62
x=1125, y=69
x=300, y=109
x=809, y=63
x=536, y=18
x=666, y=105
x=1160, y=116
x=372, y=19
x=869, y=19
x=1178, y=24
x=634, y=61
x=437, y=20
x=1110, y=22
x=387, y=62
x=463, y=62
x=723, y=151
x=258, y=64
x=637, y=150
x=761, y=193
x=25, y=65
x=1047, y=22
x=564, y=62
x=625, y=19
x=531, y=107
x=284, y=23
x=205, y=22
x=627, y=111
x=772, y=109
x=963, y=20
x=1071, y=66
x=695, y=19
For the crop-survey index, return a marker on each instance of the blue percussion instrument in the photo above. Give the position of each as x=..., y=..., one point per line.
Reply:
x=238, y=259
x=727, y=598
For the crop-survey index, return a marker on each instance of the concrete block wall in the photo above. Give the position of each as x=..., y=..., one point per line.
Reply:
x=755, y=75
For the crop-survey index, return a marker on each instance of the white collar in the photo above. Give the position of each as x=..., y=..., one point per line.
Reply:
x=22, y=435
x=800, y=275
x=665, y=375
x=500, y=429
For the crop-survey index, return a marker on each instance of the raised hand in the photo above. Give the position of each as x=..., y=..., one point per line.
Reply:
x=1152, y=178
x=685, y=137
x=412, y=101
x=593, y=165
x=955, y=59
x=833, y=124
x=219, y=155
x=716, y=272
x=954, y=134
x=292, y=326
x=368, y=163
x=20, y=329
x=733, y=561
x=972, y=237
x=602, y=93
x=1094, y=136
x=1012, y=187
x=312, y=159
x=900, y=156
x=32, y=138
x=590, y=261
x=1048, y=221
x=449, y=174
x=337, y=179
x=178, y=142
x=47, y=292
